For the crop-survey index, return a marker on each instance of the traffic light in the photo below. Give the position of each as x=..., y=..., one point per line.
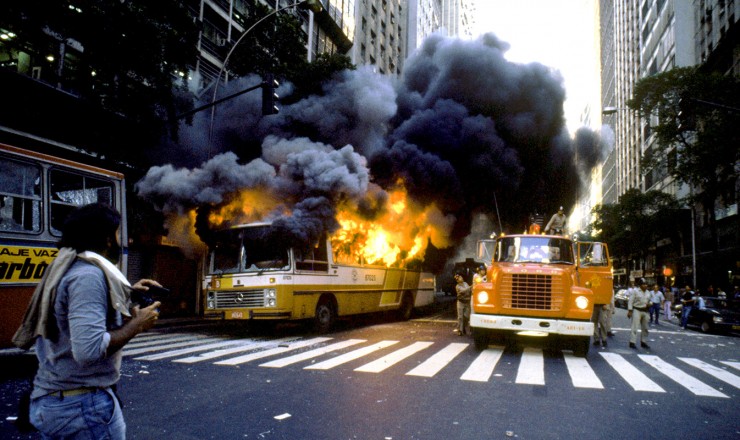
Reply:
x=269, y=97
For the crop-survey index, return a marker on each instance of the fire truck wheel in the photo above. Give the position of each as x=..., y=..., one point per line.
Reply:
x=581, y=346
x=480, y=338
x=326, y=315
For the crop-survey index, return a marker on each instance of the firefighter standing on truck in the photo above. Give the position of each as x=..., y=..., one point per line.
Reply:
x=556, y=225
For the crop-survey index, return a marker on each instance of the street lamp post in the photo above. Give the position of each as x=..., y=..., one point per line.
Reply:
x=314, y=5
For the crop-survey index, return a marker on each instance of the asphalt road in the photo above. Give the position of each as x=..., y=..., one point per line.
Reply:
x=379, y=379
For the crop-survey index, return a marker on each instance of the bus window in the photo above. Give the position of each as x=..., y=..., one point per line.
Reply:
x=71, y=189
x=20, y=196
x=314, y=258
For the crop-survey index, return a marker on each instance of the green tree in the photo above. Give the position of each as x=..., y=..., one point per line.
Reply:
x=635, y=223
x=133, y=53
x=694, y=119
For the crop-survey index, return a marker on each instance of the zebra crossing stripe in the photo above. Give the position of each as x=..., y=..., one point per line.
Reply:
x=689, y=382
x=279, y=363
x=532, y=367
x=482, y=367
x=150, y=342
x=723, y=375
x=393, y=358
x=239, y=349
x=352, y=355
x=634, y=377
x=439, y=360
x=735, y=365
x=182, y=351
x=168, y=346
x=581, y=373
x=263, y=354
x=154, y=335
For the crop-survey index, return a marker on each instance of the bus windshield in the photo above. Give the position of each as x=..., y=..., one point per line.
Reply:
x=534, y=249
x=249, y=249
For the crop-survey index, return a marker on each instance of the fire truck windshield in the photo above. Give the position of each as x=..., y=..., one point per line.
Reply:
x=534, y=249
x=248, y=249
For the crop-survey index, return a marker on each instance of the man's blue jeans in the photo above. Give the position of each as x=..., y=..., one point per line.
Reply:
x=685, y=315
x=94, y=415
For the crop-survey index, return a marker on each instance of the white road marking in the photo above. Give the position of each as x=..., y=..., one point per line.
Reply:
x=531, y=367
x=439, y=360
x=393, y=358
x=581, y=373
x=348, y=357
x=279, y=363
x=634, y=377
x=152, y=341
x=227, y=351
x=482, y=367
x=182, y=351
x=723, y=375
x=692, y=384
x=735, y=365
x=131, y=352
x=263, y=354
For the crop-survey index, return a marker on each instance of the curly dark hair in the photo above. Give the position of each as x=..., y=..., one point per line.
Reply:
x=89, y=227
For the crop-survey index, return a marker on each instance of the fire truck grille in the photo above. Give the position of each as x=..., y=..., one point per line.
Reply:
x=235, y=300
x=531, y=292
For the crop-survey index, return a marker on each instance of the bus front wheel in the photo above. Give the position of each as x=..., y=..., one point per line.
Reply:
x=326, y=315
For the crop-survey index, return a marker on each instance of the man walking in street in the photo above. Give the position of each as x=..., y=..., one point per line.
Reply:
x=76, y=320
x=637, y=310
x=657, y=299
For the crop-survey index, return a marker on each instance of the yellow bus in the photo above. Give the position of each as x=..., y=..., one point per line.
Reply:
x=37, y=191
x=253, y=275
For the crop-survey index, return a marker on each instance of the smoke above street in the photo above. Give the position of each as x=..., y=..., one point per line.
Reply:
x=461, y=130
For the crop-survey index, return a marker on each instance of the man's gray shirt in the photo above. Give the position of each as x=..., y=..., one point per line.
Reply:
x=78, y=358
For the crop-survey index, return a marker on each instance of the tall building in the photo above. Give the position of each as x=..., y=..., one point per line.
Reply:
x=640, y=38
x=380, y=35
x=222, y=23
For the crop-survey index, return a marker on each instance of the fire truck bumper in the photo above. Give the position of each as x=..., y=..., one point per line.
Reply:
x=522, y=324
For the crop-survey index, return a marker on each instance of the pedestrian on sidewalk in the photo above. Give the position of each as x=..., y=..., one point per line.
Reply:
x=76, y=320
x=637, y=310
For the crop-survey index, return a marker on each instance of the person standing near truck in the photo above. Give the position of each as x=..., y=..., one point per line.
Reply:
x=637, y=310
x=464, y=292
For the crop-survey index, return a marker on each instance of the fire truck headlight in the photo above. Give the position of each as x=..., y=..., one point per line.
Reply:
x=482, y=297
x=582, y=302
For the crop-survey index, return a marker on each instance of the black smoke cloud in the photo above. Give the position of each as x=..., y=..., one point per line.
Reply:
x=462, y=127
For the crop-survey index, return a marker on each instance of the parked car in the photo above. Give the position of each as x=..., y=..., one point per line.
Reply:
x=718, y=315
x=621, y=298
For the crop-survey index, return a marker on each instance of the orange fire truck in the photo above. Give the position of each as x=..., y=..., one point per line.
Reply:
x=541, y=286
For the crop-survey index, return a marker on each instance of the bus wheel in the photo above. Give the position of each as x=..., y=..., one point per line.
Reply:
x=407, y=307
x=326, y=316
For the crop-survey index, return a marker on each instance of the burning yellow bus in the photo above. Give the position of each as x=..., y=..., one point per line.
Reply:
x=253, y=273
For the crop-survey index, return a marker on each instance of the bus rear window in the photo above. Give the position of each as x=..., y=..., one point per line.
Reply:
x=20, y=196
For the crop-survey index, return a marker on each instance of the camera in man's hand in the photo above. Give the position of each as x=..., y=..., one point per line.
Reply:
x=148, y=297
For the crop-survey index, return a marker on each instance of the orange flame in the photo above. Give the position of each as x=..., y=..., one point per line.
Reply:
x=250, y=205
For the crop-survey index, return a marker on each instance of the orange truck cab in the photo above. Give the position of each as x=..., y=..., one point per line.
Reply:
x=541, y=286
